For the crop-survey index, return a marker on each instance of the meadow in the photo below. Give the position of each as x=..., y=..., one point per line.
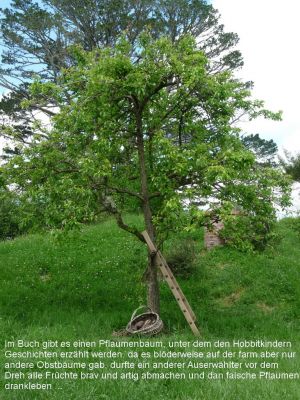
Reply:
x=85, y=285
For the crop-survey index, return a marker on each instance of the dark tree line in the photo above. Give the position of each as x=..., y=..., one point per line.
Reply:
x=36, y=38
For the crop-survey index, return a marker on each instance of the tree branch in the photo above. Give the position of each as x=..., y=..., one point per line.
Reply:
x=111, y=208
x=163, y=84
x=155, y=194
x=131, y=193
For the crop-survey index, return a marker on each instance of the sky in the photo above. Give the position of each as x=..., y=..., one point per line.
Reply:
x=269, y=33
x=4, y=3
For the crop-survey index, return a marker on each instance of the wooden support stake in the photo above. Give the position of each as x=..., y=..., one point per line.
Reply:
x=173, y=284
x=178, y=287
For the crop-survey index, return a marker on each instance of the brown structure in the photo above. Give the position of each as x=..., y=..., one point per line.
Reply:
x=211, y=237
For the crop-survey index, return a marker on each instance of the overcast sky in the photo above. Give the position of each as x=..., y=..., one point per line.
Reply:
x=269, y=32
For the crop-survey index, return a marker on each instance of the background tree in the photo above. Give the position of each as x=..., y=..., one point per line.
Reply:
x=291, y=165
x=36, y=36
x=264, y=150
x=119, y=134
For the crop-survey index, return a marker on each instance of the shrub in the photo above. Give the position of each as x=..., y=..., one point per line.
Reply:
x=296, y=225
x=181, y=258
x=249, y=233
x=9, y=216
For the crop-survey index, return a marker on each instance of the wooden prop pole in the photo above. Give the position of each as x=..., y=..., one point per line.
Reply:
x=173, y=284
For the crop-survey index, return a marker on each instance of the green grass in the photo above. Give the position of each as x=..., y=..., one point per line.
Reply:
x=86, y=285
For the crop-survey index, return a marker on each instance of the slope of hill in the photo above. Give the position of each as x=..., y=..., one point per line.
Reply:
x=86, y=285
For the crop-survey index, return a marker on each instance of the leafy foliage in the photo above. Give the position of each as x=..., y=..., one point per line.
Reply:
x=156, y=129
x=9, y=215
x=181, y=257
x=294, y=224
x=291, y=165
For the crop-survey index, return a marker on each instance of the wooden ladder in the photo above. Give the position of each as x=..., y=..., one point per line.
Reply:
x=173, y=284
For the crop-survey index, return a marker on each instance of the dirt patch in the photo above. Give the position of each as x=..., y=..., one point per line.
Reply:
x=120, y=332
x=265, y=308
x=230, y=300
x=222, y=266
x=45, y=277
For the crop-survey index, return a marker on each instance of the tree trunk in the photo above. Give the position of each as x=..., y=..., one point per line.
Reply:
x=152, y=286
x=151, y=276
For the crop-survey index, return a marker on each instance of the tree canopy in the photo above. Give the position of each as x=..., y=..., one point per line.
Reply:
x=291, y=165
x=156, y=129
x=264, y=150
x=36, y=37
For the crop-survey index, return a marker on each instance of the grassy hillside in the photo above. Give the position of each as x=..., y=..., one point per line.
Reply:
x=86, y=285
